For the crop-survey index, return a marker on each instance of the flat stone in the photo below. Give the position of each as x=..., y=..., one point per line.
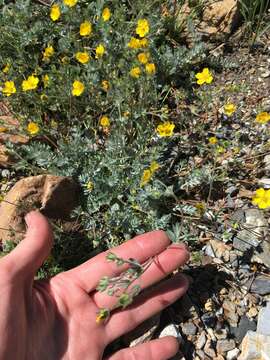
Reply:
x=224, y=346
x=209, y=350
x=143, y=333
x=254, y=232
x=265, y=183
x=230, y=313
x=255, y=346
x=201, y=340
x=266, y=161
x=244, y=326
x=261, y=285
x=232, y=354
x=263, y=326
x=189, y=328
x=171, y=330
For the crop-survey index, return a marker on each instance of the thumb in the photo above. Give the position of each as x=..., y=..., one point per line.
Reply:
x=31, y=252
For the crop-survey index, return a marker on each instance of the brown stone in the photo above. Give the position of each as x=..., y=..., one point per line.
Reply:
x=219, y=17
x=54, y=196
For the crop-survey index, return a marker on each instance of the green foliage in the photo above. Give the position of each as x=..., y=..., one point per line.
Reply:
x=254, y=13
x=107, y=161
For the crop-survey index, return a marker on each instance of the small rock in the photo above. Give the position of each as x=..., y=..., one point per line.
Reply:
x=171, y=330
x=263, y=326
x=208, y=349
x=255, y=346
x=209, y=306
x=266, y=161
x=5, y=173
x=230, y=313
x=218, y=249
x=265, y=183
x=209, y=320
x=222, y=334
x=244, y=326
x=261, y=285
x=232, y=354
x=252, y=312
x=189, y=328
x=201, y=341
x=143, y=332
x=224, y=346
x=56, y=196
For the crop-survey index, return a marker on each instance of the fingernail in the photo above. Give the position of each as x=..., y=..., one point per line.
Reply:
x=29, y=218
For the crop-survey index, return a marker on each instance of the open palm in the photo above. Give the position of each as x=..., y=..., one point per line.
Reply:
x=56, y=318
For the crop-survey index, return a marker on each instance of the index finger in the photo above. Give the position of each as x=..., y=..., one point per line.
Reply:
x=141, y=248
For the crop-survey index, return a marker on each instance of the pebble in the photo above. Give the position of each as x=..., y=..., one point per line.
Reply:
x=230, y=312
x=263, y=326
x=209, y=350
x=189, y=328
x=252, y=312
x=209, y=320
x=171, y=330
x=261, y=285
x=224, y=346
x=222, y=334
x=201, y=341
x=232, y=354
x=243, y=327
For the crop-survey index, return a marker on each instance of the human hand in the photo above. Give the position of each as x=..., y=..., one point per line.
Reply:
x=56, y=318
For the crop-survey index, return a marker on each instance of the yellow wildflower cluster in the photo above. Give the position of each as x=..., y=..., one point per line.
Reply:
x=262, y=198
x=100, y=50
x=142, y=28
x=166, y=129
x=6, y=68
x=148, y=173
x=105, y=85
x=138, y=43
x=106, y=14
x=213, y=140
x=70, y=3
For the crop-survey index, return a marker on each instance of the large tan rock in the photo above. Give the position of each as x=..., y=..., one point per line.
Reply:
x=54, y=196
x=219, y=18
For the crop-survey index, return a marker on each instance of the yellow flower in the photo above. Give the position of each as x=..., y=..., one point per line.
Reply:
x=150, y=68
x=213, y=140
x=106, y=14
x=220, y=150
x=263, y=117
x=229, y=109
x=43, y=97
x=135, y=72
x=146, y=177
x=70, y=3
x=48, y=52
x=204, y=77
x=143, y=57
x=82, y=57
x=154, y=166
x=104, y=121
x=105, y=85
x=85, y=28
x=31, y=83
x=102, y=315
x=90, y=186
x=55, y=12
x=45, y=79
x=137, y=43
x=100, y=50
x=262, y=198
x=142, y=28
x=165, y=129
x=78, y=88
x=33, y=128
x=6, y=68
x=9, y=88
x=54, y=124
